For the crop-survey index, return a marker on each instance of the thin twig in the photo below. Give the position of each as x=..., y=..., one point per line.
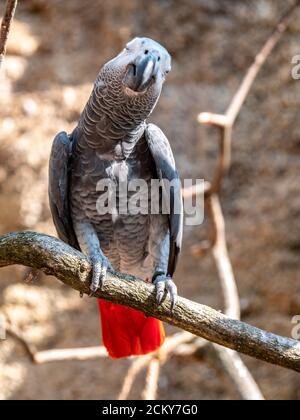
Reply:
x=60, y=355
x=167, y=350
x=152, y=377
x=172, y=343
x=57, y=355
x=231, y=361
x=10, y=9
x=90, y=353
x=226, y=122
x=239, y=374
x=195, y=190
x=222, y=260
x=18, y=337
x=260, y=59
x=135, y=368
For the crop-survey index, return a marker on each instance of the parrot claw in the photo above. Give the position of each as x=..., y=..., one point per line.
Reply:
x=164, y=284
x=100, y=268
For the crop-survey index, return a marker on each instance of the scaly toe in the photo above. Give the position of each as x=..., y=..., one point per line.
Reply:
x=165, y=284
x=103, y=275
x=172, y=289
x=160, y=291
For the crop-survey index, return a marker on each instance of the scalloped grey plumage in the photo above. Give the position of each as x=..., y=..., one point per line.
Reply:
x=114, y=140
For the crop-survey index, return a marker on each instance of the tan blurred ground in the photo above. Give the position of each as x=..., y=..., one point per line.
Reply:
x=55, y=52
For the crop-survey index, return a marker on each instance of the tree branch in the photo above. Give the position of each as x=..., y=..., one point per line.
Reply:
x=169, y=348
x=217, y=245
x=239, y=374
x=222, y=260
x=54, y=257
x=226, y=122
x=10, y=9
x=152, y=377
x=231, y=361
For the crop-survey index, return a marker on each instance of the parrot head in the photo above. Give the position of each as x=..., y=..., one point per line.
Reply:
x=138, y=72
x=147, y=64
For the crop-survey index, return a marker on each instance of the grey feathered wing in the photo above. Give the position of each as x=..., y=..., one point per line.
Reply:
x=59, y=183
x=166, y=170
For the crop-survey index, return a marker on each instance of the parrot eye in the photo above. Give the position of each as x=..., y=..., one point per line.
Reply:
x=128, y=47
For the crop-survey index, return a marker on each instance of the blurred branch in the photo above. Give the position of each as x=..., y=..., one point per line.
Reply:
x=195, y=190
x=152, y=377
x=222, y=260
x=231, y=361
x=239, y=374
x=226, y=122
x=54, y=257
x=18, y=337
x=60, y=355
x=136, y=367
x=168, y=349
x=48, y=356
x=9, y=13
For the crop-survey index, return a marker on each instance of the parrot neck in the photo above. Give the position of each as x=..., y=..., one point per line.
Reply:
x=110, y=117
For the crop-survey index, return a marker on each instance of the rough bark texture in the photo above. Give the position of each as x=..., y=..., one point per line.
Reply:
x=10, y=9
x=70, y=266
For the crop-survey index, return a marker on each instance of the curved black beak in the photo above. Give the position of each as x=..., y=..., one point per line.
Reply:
x=140, y=74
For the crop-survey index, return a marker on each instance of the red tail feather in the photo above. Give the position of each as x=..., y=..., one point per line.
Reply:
x=127, y=332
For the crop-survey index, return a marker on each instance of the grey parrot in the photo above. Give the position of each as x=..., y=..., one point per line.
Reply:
x=113, y=141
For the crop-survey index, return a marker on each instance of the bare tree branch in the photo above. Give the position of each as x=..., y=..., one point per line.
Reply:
x=179, y=348
x=196, y=190
x=226, y=122
x=57, y=355
x=242, y=93
x=54, y=257
x=60, y=355
x=136, y=367
x=239, y=374
x=168, y=349
x=150, y=391
x=221, y=257
x=10, y=9
x=232, y=362
x=18, y=337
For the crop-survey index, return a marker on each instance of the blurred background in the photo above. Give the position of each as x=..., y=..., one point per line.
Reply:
x=55, y=51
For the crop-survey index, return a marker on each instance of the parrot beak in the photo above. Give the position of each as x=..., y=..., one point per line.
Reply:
x=141, y=73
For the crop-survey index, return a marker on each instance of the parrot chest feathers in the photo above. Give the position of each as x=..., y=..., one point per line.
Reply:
x=117, y=231
x=118, y=171
x=115, y=151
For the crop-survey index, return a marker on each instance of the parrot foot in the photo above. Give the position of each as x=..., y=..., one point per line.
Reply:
x=165, y=284
x=100, y=267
